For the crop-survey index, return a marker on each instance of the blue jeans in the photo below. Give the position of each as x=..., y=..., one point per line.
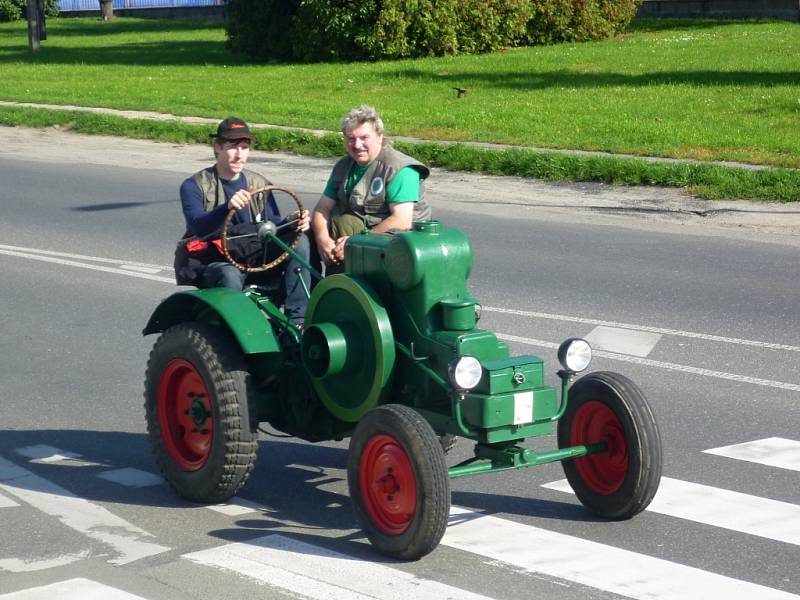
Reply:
x=224, y=274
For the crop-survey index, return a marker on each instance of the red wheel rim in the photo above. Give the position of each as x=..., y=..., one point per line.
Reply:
x=185, y=416
x=603, y=472
x=388, y=485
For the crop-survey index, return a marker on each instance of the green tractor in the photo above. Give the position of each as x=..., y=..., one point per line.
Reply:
x=389, y=356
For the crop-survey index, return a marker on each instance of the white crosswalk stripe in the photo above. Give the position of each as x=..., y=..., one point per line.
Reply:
x=771, y=519
x=600, y=566
x=129, y=477
x=72, y=589
x=237, y=506
x=128, y=541
x=773, y=452
x=321, y=574
x=46, y=454
x=6, y=502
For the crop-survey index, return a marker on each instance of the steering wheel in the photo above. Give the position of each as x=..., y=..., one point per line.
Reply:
x=266, y=230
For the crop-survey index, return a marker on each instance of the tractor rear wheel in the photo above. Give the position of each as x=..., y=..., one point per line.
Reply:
x=620, y=481
x=201, y=424
x=398, y=482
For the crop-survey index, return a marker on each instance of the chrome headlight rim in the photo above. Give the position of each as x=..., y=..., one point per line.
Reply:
x=575, y=354
x=465, y=372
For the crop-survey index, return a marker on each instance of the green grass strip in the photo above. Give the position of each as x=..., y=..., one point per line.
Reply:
x=703, y=180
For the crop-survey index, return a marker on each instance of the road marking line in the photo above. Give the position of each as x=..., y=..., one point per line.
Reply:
x=603, y=567
x=773, y=452
x=624, y=341
x=238, y=506
x=16, y=565
x=130, y=477
x=113, y=261
x=319, y=573
x=72, y=589
x=6, y=502
x=46, y=454
x=647, y=362
x=771, y=519
x=661, y=330
x=79, y=514
x=141, y=269
x=72, y=263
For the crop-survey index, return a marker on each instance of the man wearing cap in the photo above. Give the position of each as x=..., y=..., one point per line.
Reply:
x=374, y=187
x=208, y=196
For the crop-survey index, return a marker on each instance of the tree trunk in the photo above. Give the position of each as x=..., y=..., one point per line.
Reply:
x=34, y=30
x=107, y=10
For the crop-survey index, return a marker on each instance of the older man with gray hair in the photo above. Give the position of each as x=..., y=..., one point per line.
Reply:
x=374, y=187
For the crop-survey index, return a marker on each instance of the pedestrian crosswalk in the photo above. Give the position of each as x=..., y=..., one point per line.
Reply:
x=319, y=573
x=295, y=567
x=773, y=452
x=600, y=566
x=72, y=589
x=709, y=505
x=129, y=542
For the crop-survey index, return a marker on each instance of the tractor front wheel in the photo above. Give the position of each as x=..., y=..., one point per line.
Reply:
x=621, y=480
x=398, y=482
x=200, y=419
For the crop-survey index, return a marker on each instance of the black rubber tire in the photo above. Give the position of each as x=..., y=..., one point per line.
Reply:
x=607, y=485
x=231, y=456
x=415, y=439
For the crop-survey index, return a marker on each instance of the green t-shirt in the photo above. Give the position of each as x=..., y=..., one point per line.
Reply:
x=404, y=187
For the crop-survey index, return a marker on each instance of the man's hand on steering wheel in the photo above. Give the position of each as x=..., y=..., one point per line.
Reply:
x=239, y=200
x=302, y=219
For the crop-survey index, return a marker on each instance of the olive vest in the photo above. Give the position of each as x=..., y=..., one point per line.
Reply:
x=367, y=199
x=213, y=195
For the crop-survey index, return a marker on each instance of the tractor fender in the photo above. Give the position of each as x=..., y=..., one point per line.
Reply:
x=248, y=324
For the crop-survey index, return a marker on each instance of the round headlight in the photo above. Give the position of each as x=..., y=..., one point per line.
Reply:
x=465, y=372
x=575, y=354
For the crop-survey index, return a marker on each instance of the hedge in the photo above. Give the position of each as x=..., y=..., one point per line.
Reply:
x=346, y=30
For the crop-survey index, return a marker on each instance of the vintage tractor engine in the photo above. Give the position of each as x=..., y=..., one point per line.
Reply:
x=399, y=326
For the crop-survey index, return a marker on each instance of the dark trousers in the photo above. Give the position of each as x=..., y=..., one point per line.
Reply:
x=224, y=274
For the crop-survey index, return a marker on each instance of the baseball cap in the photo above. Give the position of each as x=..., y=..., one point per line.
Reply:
x=233, y=128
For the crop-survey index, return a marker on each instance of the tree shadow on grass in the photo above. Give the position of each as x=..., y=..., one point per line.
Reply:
x=162, y=53
x=657, y=24
x=71, y=27
x=521, y=81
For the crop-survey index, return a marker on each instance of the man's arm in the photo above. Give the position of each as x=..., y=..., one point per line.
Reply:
x=198, y=221
x=320, y=222
x=401, y=217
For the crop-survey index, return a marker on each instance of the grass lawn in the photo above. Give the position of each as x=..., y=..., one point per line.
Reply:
x=684, y=89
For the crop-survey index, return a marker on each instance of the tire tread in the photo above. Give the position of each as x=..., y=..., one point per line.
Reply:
x=236, y=425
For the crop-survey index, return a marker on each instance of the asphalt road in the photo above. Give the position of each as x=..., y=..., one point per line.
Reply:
x=704, y=317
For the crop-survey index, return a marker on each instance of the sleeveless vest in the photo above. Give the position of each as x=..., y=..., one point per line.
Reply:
x=213, y=195
x=367, y=199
